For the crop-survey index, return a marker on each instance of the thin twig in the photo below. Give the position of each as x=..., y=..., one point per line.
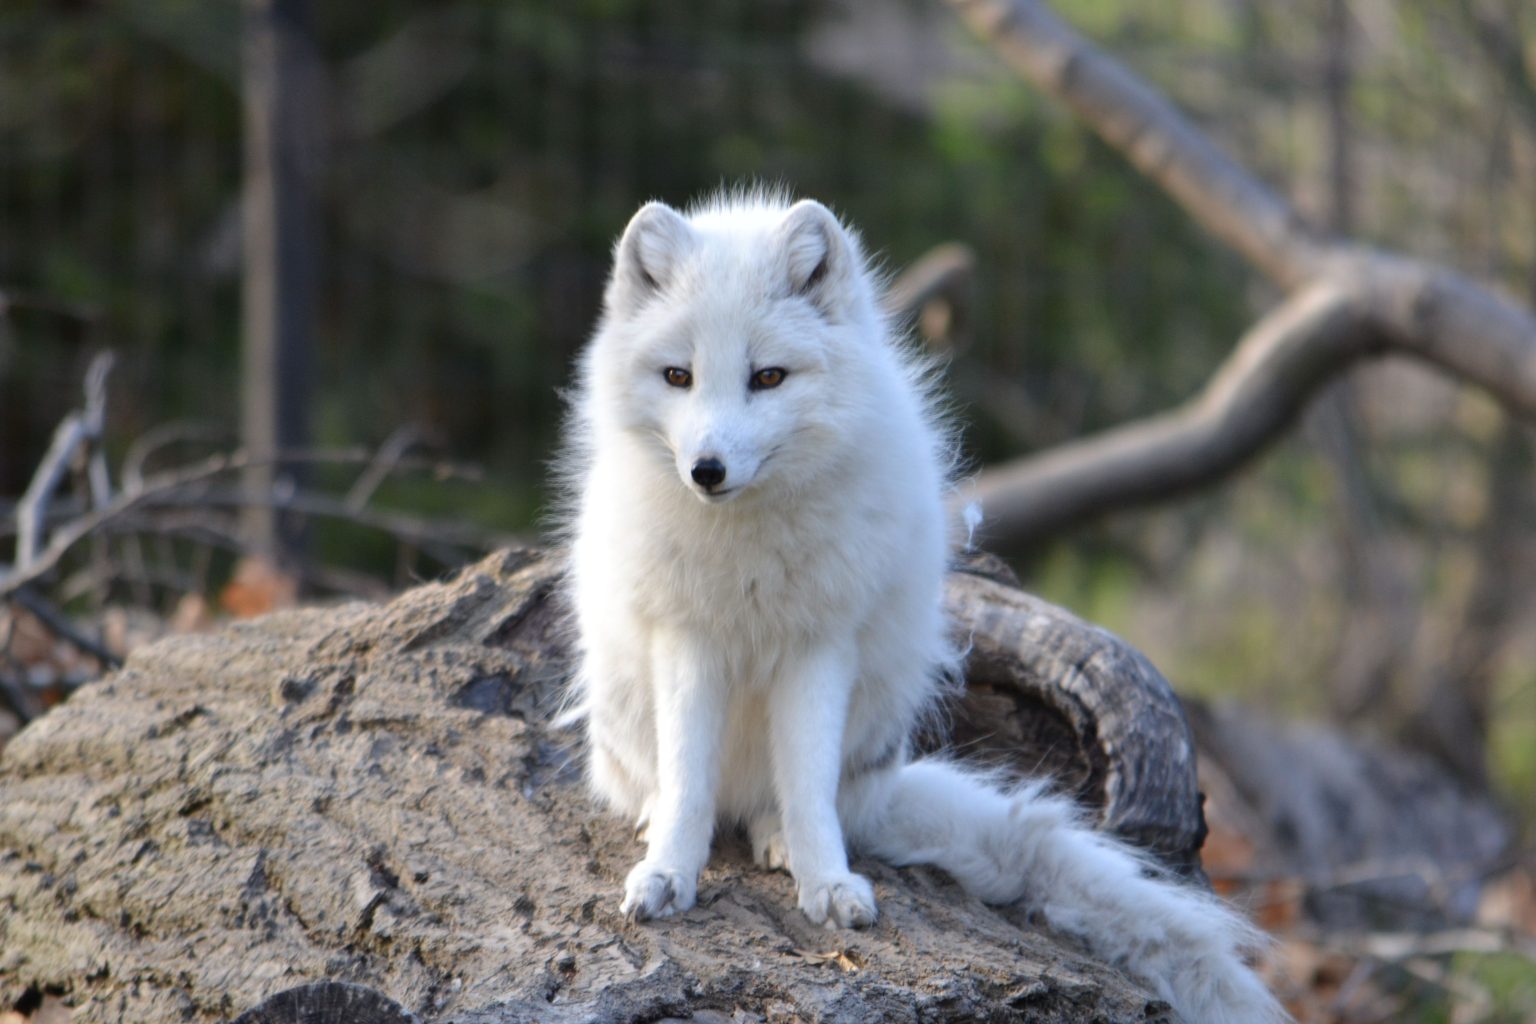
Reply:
x=157, y=438
x=75, y=433
x=384, y=463
x=95, y=422
x=70, y=534
x=68, y=508
x=59, y=625
x=193, y=525
x=179, y=488
x=21, y=701
x=434, y=536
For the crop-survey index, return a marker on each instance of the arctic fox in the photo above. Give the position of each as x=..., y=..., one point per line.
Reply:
x=758, y=548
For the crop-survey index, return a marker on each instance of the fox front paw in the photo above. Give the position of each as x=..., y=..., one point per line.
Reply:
x=844, y=902
x=653, y=890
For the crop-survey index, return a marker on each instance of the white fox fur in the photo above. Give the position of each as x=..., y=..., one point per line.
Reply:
x=759, y=542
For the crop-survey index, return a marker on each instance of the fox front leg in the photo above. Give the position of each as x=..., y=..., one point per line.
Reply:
x=808, y=709
x=690, y=719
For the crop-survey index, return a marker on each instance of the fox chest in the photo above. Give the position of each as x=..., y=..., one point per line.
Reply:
x=759, y=585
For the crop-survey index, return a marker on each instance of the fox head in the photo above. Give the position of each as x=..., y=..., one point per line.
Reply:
x=729, y=344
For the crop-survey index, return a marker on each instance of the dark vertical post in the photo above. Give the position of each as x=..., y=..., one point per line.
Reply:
x=281, y=152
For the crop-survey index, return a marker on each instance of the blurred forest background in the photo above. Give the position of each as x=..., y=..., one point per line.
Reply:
x=473, y=161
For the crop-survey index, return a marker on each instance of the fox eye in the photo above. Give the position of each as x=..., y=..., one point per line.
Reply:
x=768, y=377
x=677, y=376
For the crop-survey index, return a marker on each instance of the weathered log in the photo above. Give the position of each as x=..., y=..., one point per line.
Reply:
x=1048, y=694
x=372, y=794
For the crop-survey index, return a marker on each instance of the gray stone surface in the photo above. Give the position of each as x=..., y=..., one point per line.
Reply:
x=372, y=794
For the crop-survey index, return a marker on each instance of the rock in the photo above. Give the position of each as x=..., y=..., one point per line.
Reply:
x=367, y=803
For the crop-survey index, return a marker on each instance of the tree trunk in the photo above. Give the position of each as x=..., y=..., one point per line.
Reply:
x=369, y=800
x=282, y=130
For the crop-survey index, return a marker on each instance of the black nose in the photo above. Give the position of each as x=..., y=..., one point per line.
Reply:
x=709, y=473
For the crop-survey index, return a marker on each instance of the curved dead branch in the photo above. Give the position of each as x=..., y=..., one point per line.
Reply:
x=1253, y=397
x=1347, y=301
x=1159, y=140
x=1447, y=320
x=941, y=271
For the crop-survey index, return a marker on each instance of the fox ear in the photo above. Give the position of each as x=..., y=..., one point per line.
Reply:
x=819, y=256
x=647, y=256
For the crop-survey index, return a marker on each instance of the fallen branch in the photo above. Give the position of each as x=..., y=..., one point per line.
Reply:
x=187, y=488
x=941, y=272
x=134, y=480
x=1252, y=398
x=23, y=704
x=432, y=535
x=78, y=432
x=158, y=438
x=1382, y=302
x=71, y=533
x=1158, y=140
x=59, y=625
x=389, y=455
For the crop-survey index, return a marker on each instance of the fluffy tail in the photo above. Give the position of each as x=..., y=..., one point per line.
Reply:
x=1031, y=846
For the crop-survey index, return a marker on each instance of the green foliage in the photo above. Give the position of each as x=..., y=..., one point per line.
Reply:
x=1504, y=985
x=1512, y=741
x=466, y=230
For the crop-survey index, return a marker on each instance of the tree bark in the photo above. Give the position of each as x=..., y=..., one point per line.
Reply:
x=373, y=795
